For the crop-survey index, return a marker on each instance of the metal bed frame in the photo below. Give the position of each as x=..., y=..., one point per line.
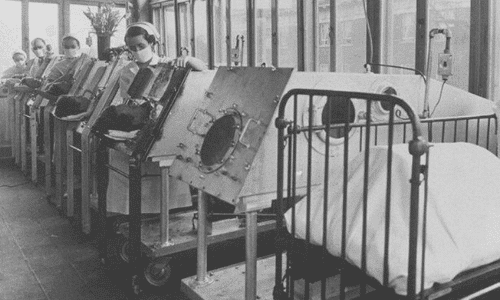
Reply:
x=411, y=130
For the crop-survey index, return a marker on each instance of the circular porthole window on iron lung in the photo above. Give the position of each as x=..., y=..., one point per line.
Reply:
x=341, y=110
x=386, y=106
x=220, y=141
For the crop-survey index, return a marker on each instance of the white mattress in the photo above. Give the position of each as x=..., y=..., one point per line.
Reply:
x=463, y=213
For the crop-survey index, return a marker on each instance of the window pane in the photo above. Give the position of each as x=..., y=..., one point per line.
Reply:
x=351, y=36
x=453, y=15
x=400, y=36
x=156, y=22
x=10, y=31
x=200, y=29
x=323, y=36
x=185, y=23
x=287, y=33
x=81, y=26
x=170, y=31
x=44, y=23
x=263, y=42
x=239, y=26
x=220, y=32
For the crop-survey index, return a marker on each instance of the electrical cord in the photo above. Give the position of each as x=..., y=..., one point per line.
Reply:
x=369, y=29
x=439, y=99
x=401, y=67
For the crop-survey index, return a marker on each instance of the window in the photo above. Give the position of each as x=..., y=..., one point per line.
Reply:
x=185, y=25
x=10, y=22
x=263, y=36
x=399, y=39
x=287, y=33
x=351, y=33
x=170, y=46
x=323, y=36
x=453, y=15
x=239, y=29
x=200, y=29
x=220, y=33
x=81, y=27
x=44, y=23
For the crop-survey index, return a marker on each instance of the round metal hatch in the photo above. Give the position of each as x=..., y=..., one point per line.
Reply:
x=220, y=142
x=341, y=109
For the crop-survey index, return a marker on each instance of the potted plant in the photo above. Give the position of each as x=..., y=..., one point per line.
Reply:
x=105, y=23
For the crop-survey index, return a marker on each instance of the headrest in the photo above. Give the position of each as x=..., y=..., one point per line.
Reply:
x=150, y=29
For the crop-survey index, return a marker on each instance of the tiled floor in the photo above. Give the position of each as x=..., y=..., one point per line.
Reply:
x=44, y=256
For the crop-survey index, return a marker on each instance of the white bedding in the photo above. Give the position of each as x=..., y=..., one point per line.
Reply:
x=463, y=220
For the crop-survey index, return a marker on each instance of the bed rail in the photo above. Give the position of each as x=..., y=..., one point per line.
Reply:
x=306, y=136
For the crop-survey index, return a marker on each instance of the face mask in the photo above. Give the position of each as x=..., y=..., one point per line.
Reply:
x=39, y=52
x=143, y=55
x=20, y=63
x=71, y=53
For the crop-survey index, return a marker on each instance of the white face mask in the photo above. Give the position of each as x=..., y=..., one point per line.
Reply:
x=71, y=53
x=39, y=52
x=20, y=63
x=143, y=55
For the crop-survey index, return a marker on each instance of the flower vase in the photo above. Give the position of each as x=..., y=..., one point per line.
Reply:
x=103, y=43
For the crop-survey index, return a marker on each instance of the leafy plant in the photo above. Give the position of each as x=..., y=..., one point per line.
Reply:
x=106, y=20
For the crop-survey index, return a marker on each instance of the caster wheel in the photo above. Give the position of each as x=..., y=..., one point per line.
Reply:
x=124, y=251
x=159, y=272
x=118, y=252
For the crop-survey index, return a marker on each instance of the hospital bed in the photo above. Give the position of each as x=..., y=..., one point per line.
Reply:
x=392, y=215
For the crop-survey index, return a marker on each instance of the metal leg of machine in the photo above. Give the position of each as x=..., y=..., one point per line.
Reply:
x=135, y=221
x=164, y=208
x=101, y=173
x=251, y=256
x=86, y=179
x=34, y=148
x=202, y=277
x=70, y=173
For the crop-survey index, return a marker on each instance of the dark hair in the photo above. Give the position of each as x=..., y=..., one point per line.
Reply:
x=135, y=31
x=70, y=106
x=67, y=38
x=38, y=39
x=123, y=117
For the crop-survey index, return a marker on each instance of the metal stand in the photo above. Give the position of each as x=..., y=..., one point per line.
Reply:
x=164, y=204
x=251, y=256
x=135, y=211
x=34, y=147
x=202, y=278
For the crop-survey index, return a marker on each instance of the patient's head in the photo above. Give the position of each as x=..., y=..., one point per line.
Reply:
x=71, y=105
x=123, y=117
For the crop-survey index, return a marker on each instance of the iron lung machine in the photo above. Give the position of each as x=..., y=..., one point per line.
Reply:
x=228, y=146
